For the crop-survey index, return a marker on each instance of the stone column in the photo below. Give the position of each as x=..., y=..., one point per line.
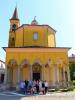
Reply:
x=68, y=73
x=63, y=77
x=69, y=83
x=57, y=76
x=19, y=73
x=18, y=78
x=31, y=73
x=57, y=73
x=63, y=74
x=51, y=72
x=5, y=77
x=50, y=67
x=8, y=75
x=44, y=72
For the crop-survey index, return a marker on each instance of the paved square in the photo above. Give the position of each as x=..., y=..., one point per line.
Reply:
x=49, y=96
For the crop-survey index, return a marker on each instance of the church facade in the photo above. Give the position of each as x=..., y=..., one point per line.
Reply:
x=32, y=54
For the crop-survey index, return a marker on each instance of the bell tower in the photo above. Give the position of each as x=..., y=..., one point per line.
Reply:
x=14, y=24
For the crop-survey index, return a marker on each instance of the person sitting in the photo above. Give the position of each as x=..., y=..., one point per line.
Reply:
x=29, y=86
x=33, y=89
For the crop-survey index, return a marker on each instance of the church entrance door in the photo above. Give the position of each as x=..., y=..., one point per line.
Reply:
x=36, y=69
x=36, y=76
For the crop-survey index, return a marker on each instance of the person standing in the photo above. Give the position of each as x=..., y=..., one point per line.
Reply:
x=37, y=86
x=46, y=86
x=40, y=86
x=22, y=86
x=43, y=87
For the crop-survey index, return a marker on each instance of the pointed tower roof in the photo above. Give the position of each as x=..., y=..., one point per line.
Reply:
x=15, y=15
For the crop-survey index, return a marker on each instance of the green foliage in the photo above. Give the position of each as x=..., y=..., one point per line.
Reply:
x=73, y=84
x=72, y=70
x=65, y=90
x=51, y=90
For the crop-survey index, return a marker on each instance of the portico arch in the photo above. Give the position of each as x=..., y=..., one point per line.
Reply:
x=12, y=71
x=25, y=70
x=37, y=70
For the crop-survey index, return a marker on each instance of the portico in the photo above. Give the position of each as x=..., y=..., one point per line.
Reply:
x=35, y=67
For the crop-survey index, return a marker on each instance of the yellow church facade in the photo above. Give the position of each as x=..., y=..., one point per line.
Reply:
x=32, y=54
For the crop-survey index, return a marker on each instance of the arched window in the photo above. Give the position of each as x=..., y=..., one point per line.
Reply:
x=35, y=36
x=13, y=27
x=13, y=39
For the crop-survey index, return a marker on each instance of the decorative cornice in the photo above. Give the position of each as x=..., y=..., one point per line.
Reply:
x=36, y=49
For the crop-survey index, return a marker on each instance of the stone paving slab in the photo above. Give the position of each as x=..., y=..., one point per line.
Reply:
x=61, y=94
x=48, y=96
x=52, y=96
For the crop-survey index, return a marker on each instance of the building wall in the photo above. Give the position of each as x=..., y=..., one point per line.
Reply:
x=15, y=77
x=2, y=71
x=43, y=57
x=51, y=38
x=31, y=56
x=24, y=36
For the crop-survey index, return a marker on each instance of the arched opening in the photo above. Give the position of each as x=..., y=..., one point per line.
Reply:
x=2, y=78
x=25, y=70
x=60, y=74
x=66, y=76
x=14, y=27
x=36, y=69
x=12, y=72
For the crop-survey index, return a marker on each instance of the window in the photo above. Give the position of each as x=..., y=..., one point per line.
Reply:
x=35, y=36
x=13, y=27
x=13, y=39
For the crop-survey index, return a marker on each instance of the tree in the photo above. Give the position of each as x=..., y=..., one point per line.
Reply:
x=72, y=70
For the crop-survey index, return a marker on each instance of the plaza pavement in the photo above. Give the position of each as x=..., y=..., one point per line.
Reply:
x=7, y=95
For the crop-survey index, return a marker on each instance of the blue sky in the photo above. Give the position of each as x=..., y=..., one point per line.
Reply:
x=59, y=14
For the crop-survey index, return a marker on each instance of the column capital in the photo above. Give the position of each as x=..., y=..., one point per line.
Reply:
x=31, y=64
x=19, y=64
x=43, y=65
x=50, y=63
